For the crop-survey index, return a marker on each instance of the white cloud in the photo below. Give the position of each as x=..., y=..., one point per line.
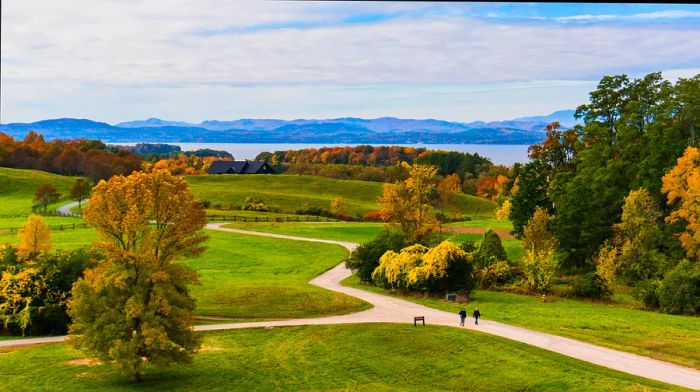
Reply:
x=119, y=53
x=668, y=14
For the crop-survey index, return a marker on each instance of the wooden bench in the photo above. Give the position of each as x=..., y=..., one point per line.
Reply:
x=416, y=319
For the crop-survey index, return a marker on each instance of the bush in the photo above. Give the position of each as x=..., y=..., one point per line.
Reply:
x=679, y=291
x=444, y=267
x=590, y=285
x=252, y=204
x=647, y=292
x=315, y=211
x=365, y=259
x=497, y=274
x=373, y=216
x=34, y=293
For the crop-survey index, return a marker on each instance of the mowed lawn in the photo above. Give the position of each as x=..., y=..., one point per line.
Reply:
x=17, y=188
x=364, y=357
x=661, y=336
x=289, y=193
x=249, y=277
x=67, y=233
x=358, y=232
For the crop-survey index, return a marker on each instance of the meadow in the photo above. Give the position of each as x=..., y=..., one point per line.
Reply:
x=288, y=193
x=249, y=277
x=17, y=188
x=656, y=335
x=366, y=357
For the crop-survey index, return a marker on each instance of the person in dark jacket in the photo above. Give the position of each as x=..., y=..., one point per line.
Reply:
x=462, y=316
x=477, y=314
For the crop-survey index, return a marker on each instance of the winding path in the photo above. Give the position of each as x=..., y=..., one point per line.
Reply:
x=65, y=209
x=393, y=310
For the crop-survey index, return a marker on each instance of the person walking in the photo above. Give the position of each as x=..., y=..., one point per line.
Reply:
x=462, y=317
x=477, y=314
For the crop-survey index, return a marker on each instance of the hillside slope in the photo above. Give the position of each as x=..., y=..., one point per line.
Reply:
x=17, y=188
x=289, y=193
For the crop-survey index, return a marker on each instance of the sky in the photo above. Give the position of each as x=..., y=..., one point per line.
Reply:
x=121, y=60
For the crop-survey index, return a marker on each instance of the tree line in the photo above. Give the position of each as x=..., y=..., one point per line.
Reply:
x=617, y=188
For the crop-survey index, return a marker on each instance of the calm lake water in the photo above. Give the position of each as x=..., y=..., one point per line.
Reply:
x=502, y=154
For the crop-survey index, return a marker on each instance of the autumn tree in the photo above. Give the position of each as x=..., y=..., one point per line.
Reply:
x=81, y=190
x=134, y=308
x=34, y=237
x=45, y=195
x=339, y=208
x=448, y=189
x=539, y=262
x=682, y=187
x=407, y=205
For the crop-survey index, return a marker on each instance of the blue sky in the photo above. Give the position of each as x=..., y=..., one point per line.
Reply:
x=115, y=60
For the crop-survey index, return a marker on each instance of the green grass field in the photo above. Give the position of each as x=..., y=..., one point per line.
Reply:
x=358, y=232
x=66, y=239
x=245, y=277
x=484, y=224
x=289, y=192
x=366, y=357
x=656, y=335
x=17, y=188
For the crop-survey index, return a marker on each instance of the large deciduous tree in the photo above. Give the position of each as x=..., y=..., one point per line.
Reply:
x=682, y=186
x=134, y=308
x=407, y=205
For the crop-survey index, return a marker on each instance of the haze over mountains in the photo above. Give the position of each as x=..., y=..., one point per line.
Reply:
x=523, y=130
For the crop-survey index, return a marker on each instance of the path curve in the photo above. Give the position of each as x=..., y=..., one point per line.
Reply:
x=394, y=310
x=65, y=209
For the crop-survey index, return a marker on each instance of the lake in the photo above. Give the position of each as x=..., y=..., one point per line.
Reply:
x=501, y=154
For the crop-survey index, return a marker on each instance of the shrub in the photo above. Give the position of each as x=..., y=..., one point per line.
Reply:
x=252, y=204
x=373, y=216
x=444, y=267
x=590, y=285
x=315, y=211
x=679, y=291
x=365, y=259
x=495, y=275
x=647, y=292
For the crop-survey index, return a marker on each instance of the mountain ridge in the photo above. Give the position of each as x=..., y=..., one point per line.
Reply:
x=523, y=130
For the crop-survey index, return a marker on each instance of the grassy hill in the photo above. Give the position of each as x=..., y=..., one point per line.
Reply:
x=17, y=188
x=288, y=193
x=362, y=357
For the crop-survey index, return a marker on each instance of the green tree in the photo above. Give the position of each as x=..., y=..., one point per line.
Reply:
x=528, y=193
x=45, y=195
x=490, y=250
x=134, y=308
x=80, y=190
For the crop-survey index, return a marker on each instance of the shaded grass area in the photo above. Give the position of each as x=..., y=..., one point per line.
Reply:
x=368, y=357
x=245, y=276
x=17, y=188
x=661, y=336
x=289, y=192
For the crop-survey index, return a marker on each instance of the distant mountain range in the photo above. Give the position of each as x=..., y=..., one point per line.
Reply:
x=384, y=130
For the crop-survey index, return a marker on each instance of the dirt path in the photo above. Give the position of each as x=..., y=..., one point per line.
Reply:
x=394, y=310
x=503, y=233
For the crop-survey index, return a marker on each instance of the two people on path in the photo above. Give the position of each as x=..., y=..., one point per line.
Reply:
x=463, y=316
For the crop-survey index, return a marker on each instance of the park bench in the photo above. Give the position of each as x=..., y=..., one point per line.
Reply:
x=416, y=319
x=451, y=297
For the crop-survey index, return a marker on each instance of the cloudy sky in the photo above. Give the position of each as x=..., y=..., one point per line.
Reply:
x=195, y=60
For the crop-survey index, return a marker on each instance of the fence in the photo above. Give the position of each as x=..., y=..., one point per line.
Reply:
x=59, y=227
x=294, y=218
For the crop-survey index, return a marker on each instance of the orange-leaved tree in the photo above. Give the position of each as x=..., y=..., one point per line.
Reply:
x=134, y=308
x=34, y=237
x=682, y=186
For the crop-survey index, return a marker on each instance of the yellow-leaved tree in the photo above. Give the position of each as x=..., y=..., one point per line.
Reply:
x=682, y=186
x=34, y=237
x=407, y=205
x=134, y=308
x=539, y=263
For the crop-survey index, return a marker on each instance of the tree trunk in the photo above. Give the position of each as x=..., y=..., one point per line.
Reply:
x=137, y=376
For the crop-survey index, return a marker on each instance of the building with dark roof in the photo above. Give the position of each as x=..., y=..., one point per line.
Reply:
x=240, y=167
